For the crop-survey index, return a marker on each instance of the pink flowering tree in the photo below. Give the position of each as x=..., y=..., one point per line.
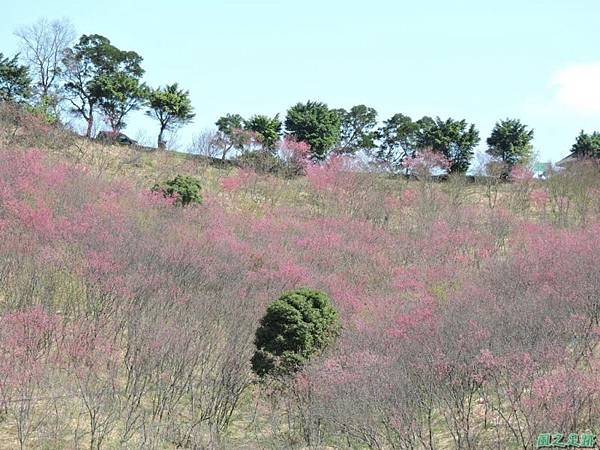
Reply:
x=426, y=163
x=294, y=154
x=26, y=349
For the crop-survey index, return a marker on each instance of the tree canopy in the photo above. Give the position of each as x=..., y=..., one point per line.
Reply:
x=315, y=124
x=171, y=106
x=99, y=75
x=15, y=83
x=397, y=139
x=455, y=139
x=231, y=134
x=587, y=145
x=510, y=141
x=120, y=93
x=357, y=129
x=267, y=129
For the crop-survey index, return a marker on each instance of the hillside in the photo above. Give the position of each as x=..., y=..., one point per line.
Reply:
x=469, y=311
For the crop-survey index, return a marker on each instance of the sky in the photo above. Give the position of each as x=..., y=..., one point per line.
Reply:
x=479, y=60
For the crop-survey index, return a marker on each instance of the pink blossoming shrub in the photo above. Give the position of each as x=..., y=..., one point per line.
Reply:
x=521, y=174
x=239, y=179
x=128, y=322
x=426, y=163
x=539, y=198
x=294, y=154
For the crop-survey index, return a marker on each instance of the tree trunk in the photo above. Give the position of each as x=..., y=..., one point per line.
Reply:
x=90, y=124
x=90, y=121
x=161, y=144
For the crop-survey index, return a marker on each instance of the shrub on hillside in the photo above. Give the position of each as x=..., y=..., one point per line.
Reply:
x=300, y=324
x=289, y=160
x=295, y=155
x=183, y=188
x=261, y=161
x=45, y=111
x=25, y=126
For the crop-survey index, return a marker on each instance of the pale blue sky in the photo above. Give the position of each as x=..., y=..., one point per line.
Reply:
x=537, y=60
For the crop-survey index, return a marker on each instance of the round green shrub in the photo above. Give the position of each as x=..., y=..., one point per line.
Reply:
x=184, y=188
x=298, y=325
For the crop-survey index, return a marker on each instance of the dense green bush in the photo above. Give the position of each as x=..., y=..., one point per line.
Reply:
x=185, y=189
x=298, y=325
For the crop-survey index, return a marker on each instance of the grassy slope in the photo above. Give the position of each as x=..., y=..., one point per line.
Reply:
x=144, y=168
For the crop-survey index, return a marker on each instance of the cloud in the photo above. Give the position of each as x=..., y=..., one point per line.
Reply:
x=578, y=87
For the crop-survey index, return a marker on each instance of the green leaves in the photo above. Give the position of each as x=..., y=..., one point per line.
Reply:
x=315, y=124
x=397, y=139
x=183, y=188
x=298, y=325
x=118, y=94
x=231, y=133
x=171, y=106
x=510, y=141
x=400, y=137
x=357, y=129
x=230, y=122
x=267, y=129
x=15, y=83
x=99, y=75
x=101, y=57
x=587, y=145
x=455, y=139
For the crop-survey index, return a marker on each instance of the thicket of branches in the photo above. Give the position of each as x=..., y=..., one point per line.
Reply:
x=468, y=312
